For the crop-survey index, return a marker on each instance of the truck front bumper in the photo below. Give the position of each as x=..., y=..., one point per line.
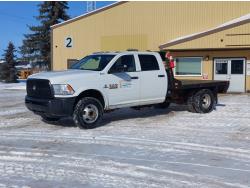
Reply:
x=58, y=107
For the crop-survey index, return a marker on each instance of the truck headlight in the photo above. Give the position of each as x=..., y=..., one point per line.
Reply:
x=63, y=89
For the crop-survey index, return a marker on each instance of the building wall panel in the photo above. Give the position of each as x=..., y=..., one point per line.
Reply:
x=143, y=25
x=236, y=37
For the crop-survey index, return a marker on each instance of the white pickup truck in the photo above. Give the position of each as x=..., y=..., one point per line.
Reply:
x=105, y=81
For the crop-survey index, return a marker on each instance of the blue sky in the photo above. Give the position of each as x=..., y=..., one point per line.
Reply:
x=15, y=16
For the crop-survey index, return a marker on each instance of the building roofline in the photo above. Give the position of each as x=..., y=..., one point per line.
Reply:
x=227, y=25
x=208, y=49
x=88, y=14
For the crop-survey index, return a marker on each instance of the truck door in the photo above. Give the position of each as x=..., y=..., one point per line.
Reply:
x=153, y=79
x=122, y=84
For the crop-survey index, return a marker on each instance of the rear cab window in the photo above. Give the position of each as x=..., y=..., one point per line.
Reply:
x=148, y=62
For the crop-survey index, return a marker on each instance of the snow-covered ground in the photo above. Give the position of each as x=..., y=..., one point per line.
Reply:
x=13, y=86
x=147, y=148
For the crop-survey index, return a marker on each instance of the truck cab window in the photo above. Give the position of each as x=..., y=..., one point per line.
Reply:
x=124, y=63
x=148, y=63
x=93, y=62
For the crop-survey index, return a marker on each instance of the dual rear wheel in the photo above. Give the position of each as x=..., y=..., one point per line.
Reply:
x=202, y=101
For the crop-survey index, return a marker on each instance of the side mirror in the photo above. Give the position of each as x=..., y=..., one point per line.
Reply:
x=122, y=68
x=118, y=69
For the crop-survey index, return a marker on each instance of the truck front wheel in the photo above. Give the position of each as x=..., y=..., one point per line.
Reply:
x=204, y=101
x=88, y=112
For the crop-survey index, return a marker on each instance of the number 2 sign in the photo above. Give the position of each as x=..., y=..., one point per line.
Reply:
x=68, y=42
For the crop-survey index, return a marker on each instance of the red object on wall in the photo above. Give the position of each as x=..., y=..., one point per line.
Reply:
x=168, y=55
x=171, y=63
x=170, y=59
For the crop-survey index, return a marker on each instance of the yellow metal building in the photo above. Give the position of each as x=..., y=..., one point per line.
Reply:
x=209, y=40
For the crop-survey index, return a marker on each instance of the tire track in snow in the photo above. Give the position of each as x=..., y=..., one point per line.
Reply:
x=113, y=140
x=102, y=175
x=13, y=111
x=108, y=168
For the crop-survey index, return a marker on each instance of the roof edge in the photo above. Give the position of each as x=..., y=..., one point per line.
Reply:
x=209, y=49
x=88, y=14
x=194, y=36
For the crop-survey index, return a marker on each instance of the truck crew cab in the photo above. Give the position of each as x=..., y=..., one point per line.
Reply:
x=105, y=81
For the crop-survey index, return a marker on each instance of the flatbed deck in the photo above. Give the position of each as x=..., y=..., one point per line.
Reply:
x=187, y=84
x=221, y=86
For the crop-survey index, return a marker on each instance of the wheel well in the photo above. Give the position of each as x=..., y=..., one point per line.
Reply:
x=91, y=93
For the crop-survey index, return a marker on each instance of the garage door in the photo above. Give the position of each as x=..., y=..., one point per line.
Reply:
x=232, y=69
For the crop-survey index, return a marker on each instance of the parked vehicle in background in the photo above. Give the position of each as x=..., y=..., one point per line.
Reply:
x=106, y=81
x=24, y=69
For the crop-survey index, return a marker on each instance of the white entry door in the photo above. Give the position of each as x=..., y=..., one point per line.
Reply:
x=232, y=69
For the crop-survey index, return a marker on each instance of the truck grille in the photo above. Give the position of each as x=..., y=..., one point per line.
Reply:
x=39, y=88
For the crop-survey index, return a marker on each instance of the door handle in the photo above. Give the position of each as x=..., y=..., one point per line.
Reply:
x=161, y=75
x=134, y=77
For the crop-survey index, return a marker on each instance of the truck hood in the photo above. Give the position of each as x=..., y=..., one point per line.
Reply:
x=62, y=76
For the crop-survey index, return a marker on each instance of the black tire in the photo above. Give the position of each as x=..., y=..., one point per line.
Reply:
x=92, y=109
x=49, y=118
x=204, y=101
x=163, y=105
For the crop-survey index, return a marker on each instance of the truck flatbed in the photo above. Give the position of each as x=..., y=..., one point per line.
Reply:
x=177, y=86
x=191, y=84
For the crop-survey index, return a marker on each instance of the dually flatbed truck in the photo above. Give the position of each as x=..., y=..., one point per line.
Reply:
x=106, y=81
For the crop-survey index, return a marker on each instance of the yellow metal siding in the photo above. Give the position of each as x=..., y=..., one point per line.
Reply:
x=143, y=25
x=237, y=37
x=248, y=84
x=122, y=42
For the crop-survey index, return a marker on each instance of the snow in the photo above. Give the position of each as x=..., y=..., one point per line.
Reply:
x=29, y=66
x=147, y=148
x=13, y=86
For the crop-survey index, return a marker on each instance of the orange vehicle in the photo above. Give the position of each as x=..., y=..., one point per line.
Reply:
x=23, y=74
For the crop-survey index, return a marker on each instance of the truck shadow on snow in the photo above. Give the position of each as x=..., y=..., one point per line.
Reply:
x=150, y=112
x=128, y=114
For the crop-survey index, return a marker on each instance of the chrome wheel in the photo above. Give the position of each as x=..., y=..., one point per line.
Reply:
x=206, y=101
x=90, y=113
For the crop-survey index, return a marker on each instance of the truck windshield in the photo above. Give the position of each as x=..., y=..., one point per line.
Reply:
x=93, y=62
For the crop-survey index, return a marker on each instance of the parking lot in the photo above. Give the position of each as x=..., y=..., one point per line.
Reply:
x=147, y=148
